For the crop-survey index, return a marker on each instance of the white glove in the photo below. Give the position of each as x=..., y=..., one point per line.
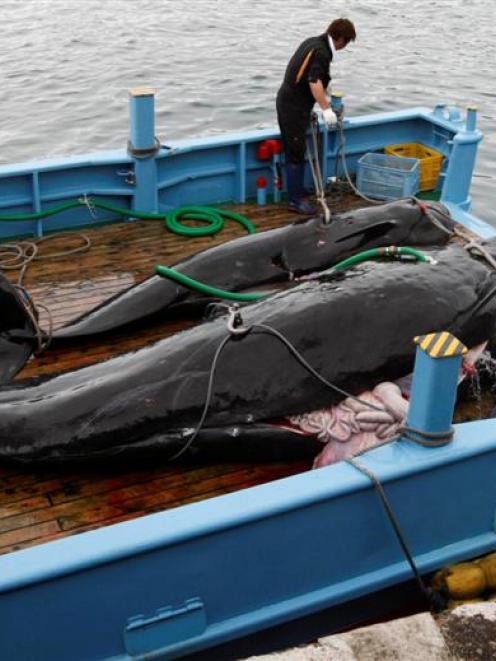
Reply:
x=330, y=118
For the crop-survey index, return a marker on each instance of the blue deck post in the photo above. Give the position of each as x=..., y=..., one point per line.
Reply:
x=435, y=380
x=241, y=197
x=142, y=148
x=461, y=163
x=35, y=183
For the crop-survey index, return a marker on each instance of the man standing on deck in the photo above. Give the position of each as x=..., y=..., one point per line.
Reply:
x=305, y=83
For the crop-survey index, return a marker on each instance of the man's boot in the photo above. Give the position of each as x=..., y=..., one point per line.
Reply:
x=294, y=183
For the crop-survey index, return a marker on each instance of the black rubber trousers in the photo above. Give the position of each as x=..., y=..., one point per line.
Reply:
x=294, y=120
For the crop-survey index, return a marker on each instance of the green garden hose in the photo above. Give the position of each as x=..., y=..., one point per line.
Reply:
x=202, y=288
x=172, y=220
x=213, y=217
x=374, y=253
x=42, y=214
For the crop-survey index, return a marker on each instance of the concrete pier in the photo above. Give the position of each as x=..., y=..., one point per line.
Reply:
x=466, y=633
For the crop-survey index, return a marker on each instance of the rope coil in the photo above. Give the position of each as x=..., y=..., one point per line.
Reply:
x=141, y=154
x=18, y=256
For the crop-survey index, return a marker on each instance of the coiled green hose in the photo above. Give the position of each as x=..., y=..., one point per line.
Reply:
x=214, y=218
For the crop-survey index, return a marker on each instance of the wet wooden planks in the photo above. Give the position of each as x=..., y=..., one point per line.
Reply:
x=39, y=505
x=36, y=507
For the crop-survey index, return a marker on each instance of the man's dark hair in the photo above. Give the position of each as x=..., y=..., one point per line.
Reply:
x=342, y=28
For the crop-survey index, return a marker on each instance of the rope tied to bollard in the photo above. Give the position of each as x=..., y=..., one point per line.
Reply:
x=427, y=439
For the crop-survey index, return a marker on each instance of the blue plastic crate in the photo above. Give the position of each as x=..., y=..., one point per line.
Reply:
x=386, y=177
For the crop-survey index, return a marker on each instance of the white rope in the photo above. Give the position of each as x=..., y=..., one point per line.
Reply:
x=476, y=248
x=18, y=256
x=89, y=205
x=314, y=162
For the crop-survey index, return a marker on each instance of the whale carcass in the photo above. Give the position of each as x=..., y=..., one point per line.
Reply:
x=355, y=330
x=273, y=256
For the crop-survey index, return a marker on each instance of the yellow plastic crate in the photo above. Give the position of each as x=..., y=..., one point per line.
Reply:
x=429, y=161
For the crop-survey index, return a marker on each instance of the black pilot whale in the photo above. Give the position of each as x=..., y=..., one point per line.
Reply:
x=272, y=256
x=355, y=329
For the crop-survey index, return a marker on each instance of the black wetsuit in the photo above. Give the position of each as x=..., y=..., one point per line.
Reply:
x=295, y=101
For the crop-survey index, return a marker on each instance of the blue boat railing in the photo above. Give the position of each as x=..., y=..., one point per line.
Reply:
x=150, y=177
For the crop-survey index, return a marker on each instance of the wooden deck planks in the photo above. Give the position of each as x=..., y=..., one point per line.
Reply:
x=39, y=505
x=74, y=509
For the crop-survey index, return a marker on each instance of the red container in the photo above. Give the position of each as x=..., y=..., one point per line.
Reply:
x=267, y=149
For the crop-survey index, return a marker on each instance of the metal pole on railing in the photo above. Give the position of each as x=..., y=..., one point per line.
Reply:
x=143, y=147
x=456, y=188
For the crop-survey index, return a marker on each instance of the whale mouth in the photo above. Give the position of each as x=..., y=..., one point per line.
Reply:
x=369, y=234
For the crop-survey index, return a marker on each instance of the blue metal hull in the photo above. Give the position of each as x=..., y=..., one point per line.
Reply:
x=173, y=583
x=232, y=565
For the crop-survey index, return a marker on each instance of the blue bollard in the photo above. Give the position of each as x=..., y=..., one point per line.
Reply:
x=435, y=380
x=471, y=122
x=461, y=163
x=143, y=148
